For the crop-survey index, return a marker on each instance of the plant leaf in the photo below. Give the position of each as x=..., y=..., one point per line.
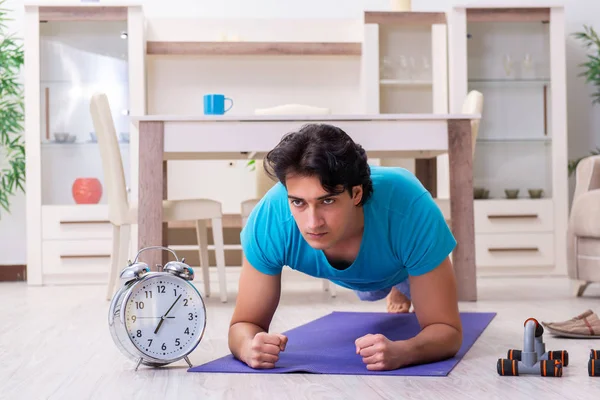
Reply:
x=12, y=144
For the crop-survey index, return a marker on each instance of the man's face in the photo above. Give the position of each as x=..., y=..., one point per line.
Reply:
x=322, y=218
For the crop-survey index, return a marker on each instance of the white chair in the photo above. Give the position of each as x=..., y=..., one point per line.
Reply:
x=583, y=232
x=122, y=214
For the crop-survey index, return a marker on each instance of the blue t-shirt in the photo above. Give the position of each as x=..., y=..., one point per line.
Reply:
x=404, y=234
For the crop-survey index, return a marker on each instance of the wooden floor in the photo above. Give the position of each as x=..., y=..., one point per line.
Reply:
x=54, y=344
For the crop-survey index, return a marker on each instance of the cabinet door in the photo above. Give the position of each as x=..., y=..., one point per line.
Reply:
x=509, y=63
x=76, y=223
x=78, y=59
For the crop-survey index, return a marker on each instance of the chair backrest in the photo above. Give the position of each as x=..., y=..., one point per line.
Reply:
x=247, y=207
x=473, y=104
x=112, y=164
x=587, y=175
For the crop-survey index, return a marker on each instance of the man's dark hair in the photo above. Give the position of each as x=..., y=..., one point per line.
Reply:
x=325, y=151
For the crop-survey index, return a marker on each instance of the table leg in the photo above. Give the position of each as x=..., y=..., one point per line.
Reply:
x=165, y=225
x=151, y=184
x=426, y=172
x=460, y=158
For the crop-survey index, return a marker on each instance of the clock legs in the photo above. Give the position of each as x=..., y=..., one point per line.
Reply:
x=187, y=360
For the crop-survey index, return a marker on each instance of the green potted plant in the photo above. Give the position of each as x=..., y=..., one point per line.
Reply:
x=591, y=72
x=12, y=145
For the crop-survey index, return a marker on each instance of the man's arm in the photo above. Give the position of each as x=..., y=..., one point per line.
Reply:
x=257, y=299
x=436, y=307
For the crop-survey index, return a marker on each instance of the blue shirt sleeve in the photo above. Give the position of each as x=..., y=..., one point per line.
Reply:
x=263, y=238
x=425, y=239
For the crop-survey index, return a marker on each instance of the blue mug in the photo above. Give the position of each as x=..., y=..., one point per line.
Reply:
x=214, y=104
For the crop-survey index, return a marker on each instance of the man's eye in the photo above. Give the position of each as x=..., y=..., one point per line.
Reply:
x=297, y=203
x=328, y=201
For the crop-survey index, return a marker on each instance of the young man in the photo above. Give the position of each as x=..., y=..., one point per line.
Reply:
x=374, y=230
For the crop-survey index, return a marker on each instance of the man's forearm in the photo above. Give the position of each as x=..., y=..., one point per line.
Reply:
x=240, y=335
x=434, y=343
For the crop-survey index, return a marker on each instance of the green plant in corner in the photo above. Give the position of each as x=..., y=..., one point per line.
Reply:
x=12, y=146
x=591, y=72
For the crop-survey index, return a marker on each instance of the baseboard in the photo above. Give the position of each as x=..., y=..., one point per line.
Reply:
x=11, y=273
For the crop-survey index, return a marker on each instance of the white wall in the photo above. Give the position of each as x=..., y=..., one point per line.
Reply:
x=583, y=122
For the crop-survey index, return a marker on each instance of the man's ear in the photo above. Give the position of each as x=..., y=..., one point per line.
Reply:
x=357, y=193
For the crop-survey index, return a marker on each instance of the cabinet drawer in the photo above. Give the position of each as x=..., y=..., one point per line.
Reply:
x=76, y=256
x=497, y=216
x=514, y=250
x=76, y=222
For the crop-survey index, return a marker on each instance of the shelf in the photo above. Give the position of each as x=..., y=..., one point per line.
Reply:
x=546, y=139
x=402, y=82
x=540, y=81
x=404, y=18
x=523, y=198
x=517, y=14
x=44, y=82
x=255, y=48
x=75, y=144
x=83, y=13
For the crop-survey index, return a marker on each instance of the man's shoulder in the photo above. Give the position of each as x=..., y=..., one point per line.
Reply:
x=273, y=206
x=267, y=231
x=395, y=188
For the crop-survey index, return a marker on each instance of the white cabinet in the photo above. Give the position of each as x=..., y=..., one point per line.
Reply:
x=516, y=58
x=72, y=52
x=404, y=70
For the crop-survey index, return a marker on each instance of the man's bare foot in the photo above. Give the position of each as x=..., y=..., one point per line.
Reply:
x=397, y=302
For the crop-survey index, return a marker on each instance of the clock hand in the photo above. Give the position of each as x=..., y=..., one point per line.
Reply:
x=162, y=319
x=172, y=305
x=159, y=324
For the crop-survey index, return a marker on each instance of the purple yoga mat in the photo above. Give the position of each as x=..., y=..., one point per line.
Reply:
x=326, y=345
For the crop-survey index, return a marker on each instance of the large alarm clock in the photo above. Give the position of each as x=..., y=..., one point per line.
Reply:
x=157, y=317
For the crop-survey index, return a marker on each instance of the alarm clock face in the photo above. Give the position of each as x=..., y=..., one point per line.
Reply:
x=165, y=317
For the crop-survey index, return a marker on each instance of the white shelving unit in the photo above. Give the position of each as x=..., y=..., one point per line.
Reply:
x=70, y=53
x=405, y=71
x=385, y=62
x=516, y=58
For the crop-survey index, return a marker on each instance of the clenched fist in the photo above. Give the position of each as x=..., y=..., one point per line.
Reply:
x=378, y=352
x=264, y=350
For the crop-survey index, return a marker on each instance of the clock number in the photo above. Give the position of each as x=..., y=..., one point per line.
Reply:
x=185, y=301
x=175, y=292
x=139, y=333
x=177, y=343
x=133, y=318
x=164, y=346
x=161, y=288
x=191, y=316
x=149, y=342
x=187, y=331
x=139, y=305
x=148, y=294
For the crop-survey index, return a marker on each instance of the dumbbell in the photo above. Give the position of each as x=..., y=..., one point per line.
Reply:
x=560, y=355
x=546, y=368
x=594, y=363
x=533, y=359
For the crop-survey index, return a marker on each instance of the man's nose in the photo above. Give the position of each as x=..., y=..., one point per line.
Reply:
x=314, y=219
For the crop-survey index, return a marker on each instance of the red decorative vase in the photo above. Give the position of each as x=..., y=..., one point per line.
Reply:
x=87, y=191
